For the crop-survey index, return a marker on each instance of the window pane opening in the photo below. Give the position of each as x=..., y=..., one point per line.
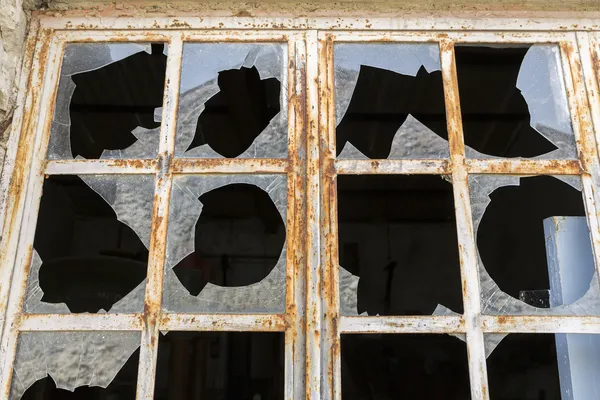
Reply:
x=404, y=367
x=513, y=102
x=220, y=365
x=398, y=245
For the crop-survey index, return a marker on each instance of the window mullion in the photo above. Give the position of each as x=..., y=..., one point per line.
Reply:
x=158, y=239
x=464, y=225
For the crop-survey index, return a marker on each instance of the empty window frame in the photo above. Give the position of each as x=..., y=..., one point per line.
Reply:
x=248, y=127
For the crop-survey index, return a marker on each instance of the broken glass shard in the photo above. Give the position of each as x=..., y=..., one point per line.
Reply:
x=233, y=101
x=513, y=102
x=91, y=244
x=397, y=244
x=515, y=251
x=106, y=100
x=74, y=360
x=389, y=101
x=226, y=244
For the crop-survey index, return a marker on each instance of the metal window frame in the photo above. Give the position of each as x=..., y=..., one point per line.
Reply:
x=312, y=322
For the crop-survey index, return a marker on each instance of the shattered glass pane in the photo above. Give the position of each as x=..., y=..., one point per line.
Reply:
x=106, y=101
x=226, y=244
x=220, y=365
x=83, y=362
x=397, y=245
x=233, y=101
x=513, y=102
x=389, y=101
x=515, y=251
x=429, y=367
x=91, y=244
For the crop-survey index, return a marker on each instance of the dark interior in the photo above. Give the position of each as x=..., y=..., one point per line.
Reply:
x=90, y=259
x=524, y=366
x=407, y=367
x=236, y=115
x=233, y=217
x=220, y=365
x=398, y=234
x=511, y=239
x=110, y=102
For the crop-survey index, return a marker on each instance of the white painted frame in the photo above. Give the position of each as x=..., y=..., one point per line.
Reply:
x=312, y=322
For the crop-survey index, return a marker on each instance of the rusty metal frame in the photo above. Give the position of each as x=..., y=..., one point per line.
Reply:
x=472, y=323
x=312, y=322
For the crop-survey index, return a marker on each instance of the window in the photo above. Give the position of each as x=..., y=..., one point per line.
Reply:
x=208, y=209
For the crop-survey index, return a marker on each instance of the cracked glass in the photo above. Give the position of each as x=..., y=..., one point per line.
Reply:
x=90, y=364
x=226, y=244
x=514, y=102
x=108, y=101
x=389, y=101
x=233, y=101
x=90, y=249
x=532, y=235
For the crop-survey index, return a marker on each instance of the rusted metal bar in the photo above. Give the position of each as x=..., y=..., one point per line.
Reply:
x=214, y=19
x=464, y=225
x=230, y=166
x=224, y=322
x=523, y=167
x=158, y=238
x=409, y=324
x=313, y=219
x=34, y=139
x=295, y=336
x=392, y=166
x=83, y=167
x=540, y=324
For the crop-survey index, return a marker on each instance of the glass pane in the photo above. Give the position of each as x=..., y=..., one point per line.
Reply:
x=226, y=244
x=397, y=245
x=109, y=101
x=514, y=102
x=233, y=101
x=90, y=250
x=389, y=101
x=220, y=365
x=535, y=254
x=76, y=365
x=404, y=367
x=545, y=366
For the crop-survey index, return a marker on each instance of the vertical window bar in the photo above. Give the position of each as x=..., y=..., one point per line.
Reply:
x=330, y=344
x=34, y=140
x=583, y=128
x=313, y=246
x=158, y=239
x=295, y=349
x=464, y=224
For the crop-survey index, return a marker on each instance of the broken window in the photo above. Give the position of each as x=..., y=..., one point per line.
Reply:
x=232, y=101
x=81, y=362
x=220, y=365
x=389, y=101
x=404, y=367
x=517, y=220
x=313, y=221
x=398, y=248
x=90, y=251
x=226, y=244
x=109, y=101
x=513, y=102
